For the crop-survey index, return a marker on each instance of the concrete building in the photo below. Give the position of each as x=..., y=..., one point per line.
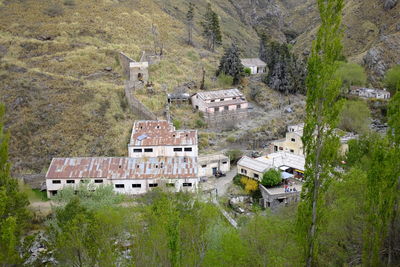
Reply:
x=369, y=92
x=137, y=73
x=160, y=139
x=292, y=165
x=209, y=165
x=222, y=108
x=256, y=65
x=284, y=194
x=292, y=142
x=126, y=175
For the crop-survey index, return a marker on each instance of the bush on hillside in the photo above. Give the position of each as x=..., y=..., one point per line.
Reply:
x=225, y=81
x=392, y=79
x=247, y=71
x=250, y=185
x=177, y=124
x=355, y=117
x=351, y=74
x=54, y=10
x=234, y=155
x=271, y=178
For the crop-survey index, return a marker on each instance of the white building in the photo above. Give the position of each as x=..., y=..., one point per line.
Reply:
x=219, y=101
x=286, y=162
x=159, y=138
x=209, y=165
x=126, y=175
x=255, y=64
x=370, y=92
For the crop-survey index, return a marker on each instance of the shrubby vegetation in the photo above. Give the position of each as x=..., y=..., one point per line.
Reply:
x=392, y=79
x=355, y=117
x=271, y=177
x=351, y=74
x=230, y=64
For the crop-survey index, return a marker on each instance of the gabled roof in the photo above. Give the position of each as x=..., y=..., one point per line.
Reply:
x=209, y=95
x=160, y=133
x=253, y=164
x=123, y=168
x=253, y=62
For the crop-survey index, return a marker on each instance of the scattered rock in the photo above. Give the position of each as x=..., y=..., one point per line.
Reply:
x=45, y=38
x=3, y=51
x=373, y=61
x=389, y=4
x=108, y=69
x=288, y=110
x=17, y=69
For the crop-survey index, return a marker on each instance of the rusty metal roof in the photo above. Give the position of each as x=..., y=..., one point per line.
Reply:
x=220, y=94
x=123, y=168
x=160, y=133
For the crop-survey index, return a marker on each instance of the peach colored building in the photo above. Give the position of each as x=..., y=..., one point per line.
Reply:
x=219, y=101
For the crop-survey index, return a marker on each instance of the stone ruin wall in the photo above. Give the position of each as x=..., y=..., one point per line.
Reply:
x=225, y=119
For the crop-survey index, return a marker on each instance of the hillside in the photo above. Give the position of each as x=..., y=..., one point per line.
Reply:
x=60, y=99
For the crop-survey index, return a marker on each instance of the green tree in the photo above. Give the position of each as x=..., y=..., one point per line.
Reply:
x=211, y=28
x=230, y=64
x=13, y=204
x=392, y=79
x=322, y=109
x=271, y=177
x=190, y=22
x=351, y=74
x=355, y=117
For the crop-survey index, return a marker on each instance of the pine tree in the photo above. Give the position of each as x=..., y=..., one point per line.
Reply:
x=211, y=28
x=322, y=109
x=230, y=64
x=13, y=212
x=190, y=22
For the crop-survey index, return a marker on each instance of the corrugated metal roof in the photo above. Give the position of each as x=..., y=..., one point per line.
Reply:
x=253, y=164
x=253, y=62
x=220, y=94
x=123, y=168
x=161, y=133
x=279, y=159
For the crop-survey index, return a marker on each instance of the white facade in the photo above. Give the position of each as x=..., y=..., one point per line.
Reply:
x=256, y=65
x=163, y=151
x=210, y=164
x=370, y=93
x=218, y=101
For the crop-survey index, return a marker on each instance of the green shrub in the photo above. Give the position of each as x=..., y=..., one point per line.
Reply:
x=200, y=123
x=234, y=155
x=271, y=178
x=231, y=139
x=392, y=79
x=54, y=10
x=247, y=71
x=225, y=80
x=355, y=117
x=177, y=124
x=351, y=74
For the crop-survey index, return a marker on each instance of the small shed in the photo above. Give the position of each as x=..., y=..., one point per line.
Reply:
x=255, y=64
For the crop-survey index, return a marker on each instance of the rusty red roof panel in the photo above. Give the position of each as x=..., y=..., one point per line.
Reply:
x=123, y=168
x=161, y=133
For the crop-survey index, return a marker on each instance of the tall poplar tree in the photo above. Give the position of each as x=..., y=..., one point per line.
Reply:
x=322, y=109
x=190, y=22
x=13, y=212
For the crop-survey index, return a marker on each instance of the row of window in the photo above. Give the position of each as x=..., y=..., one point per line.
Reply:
x=222, y=99
x=96, y=181
x=151, y=185
x=255, y=175
x=205, y=165
x=149, y=150
x=225, y=108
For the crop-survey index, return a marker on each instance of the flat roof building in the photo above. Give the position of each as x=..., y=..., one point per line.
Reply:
x=256, y=65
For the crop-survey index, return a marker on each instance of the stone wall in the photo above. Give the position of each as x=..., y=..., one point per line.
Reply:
x=125, y=61
x=35, y=181
x=137, y=107
x=225, y=119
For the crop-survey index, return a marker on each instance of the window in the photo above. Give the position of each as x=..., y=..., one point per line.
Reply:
x=56, y=181
x=137, y=150
x=70, y=181
x=213, y=100
x=148, y=150
x=161, y=165
x=177, y=149
x=238, y=106
x=53, y=192
x=280, y=148
x=216, y=109
x=188, y=149
x=98, y=181
x=234, y=98
x=153, y=185
x=293, y=140
x=256, y=176
x=226, y=107
x=119, y=186
x=185, y=159
x=291, y=151
x=243, y=171
x=187, y=184
x=203, y=166
x=221, y=99
x=136, y=185
x=224, y=162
